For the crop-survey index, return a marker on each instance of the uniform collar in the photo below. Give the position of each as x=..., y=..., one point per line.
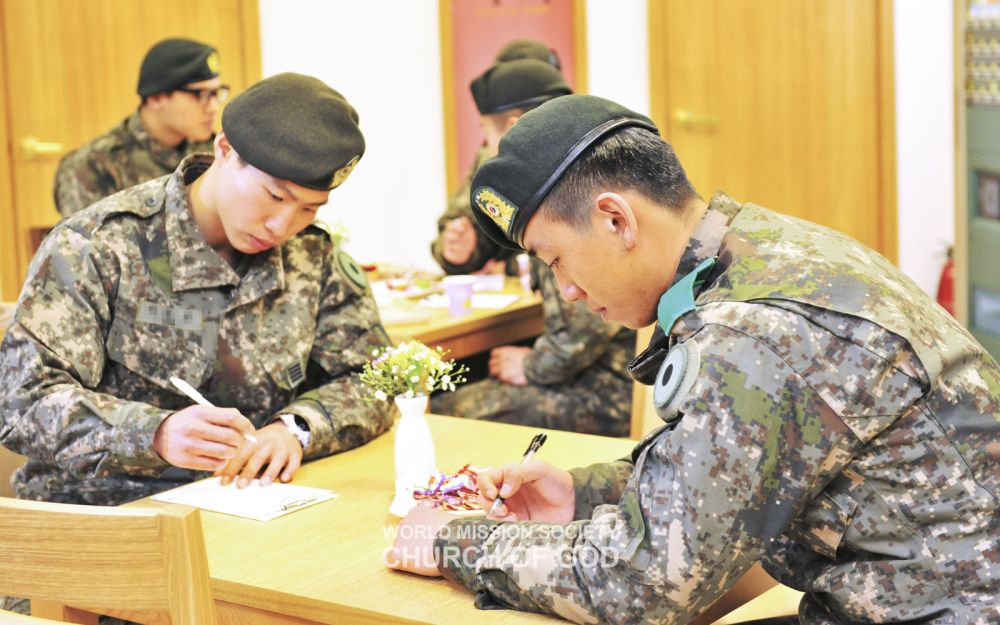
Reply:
x=193, y=263
x=166, y=156
x=706, y=239
x=697, y=261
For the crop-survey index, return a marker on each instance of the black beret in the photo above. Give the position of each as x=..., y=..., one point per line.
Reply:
x=295, y=128
x=522, y=83
x=534, y=154
x=174, y=63
x=527, y=49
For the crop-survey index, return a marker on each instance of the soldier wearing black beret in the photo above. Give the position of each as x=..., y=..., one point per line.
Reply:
x=218, y=274
x=821, y=415
x=501, y=96
x=181, y=94
x=528, y=49
x=573, y=376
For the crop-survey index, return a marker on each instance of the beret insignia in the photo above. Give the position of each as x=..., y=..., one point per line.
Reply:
x=341, y=174
x=212, y=61
x=496, y=206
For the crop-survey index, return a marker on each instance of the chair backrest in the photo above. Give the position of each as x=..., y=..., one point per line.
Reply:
x=644, y=418
x=142, y=564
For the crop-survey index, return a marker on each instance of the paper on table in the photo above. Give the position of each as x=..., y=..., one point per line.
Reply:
x=479, y=300
x=261, y=503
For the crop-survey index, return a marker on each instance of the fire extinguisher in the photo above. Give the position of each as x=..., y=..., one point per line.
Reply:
x=946, y=286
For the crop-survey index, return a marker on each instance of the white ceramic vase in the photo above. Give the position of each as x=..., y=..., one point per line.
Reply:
x=414, y=452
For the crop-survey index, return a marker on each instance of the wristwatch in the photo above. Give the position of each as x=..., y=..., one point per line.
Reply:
x=298, y=427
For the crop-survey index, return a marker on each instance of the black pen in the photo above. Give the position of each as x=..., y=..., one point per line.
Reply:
x=534, y=446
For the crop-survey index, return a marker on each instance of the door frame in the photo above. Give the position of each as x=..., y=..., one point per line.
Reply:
x=961, y=250
x=10, y=280
x=887, y=216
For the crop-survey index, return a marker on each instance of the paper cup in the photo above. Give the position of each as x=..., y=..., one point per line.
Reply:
x=459, y=292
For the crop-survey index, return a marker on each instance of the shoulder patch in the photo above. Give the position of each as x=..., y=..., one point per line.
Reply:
x=351, y=270
x=675, y=378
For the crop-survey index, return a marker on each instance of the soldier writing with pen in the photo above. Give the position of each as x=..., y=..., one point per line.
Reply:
x=821, y=415
x=219, y=275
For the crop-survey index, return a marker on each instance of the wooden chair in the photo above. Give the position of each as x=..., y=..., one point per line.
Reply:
x=142, y=564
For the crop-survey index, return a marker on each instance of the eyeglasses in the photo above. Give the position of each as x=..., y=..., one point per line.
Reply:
x=220, y=93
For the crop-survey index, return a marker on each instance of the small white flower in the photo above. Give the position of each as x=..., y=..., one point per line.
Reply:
x=408, y=394
x=414, y=378
x=381, y=395
x=374, y=352
x=395, y=369
x=446, y=379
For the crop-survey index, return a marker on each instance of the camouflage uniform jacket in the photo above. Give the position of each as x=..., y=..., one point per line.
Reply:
x=822, y=416
x=460, y=206
x=126, y=294
x=575, y=339
x=121, y=158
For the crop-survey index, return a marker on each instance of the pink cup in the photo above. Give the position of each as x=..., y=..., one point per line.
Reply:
x=459, y=292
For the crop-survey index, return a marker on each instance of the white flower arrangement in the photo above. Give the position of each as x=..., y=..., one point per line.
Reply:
x=410, y=369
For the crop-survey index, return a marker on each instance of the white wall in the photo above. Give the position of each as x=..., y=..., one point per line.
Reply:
x=384, y=55
x=618, y=52
x=925, y=144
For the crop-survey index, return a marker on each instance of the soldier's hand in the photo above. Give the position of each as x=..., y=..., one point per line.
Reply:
x=276, y=449
x=507, y=364
x=533, y=491
x=201, y=437
x=458, y=241
x=413, y=548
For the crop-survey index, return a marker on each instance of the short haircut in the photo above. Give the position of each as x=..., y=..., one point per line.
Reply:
x=632, y=159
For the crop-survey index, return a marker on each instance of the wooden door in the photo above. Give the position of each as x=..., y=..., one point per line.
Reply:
x=784, y=103
x=71, y=72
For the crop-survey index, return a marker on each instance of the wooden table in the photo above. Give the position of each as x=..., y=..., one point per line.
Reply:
x=323, y=564
x=480, y=330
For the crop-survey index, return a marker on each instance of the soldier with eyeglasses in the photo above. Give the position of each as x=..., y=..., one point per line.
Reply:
x=182, y=95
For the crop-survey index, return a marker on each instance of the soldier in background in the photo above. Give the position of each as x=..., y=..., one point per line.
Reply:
x=459, y=248
x=216, y=274
x=573, y=377
x=181, y=95
x=821, y=414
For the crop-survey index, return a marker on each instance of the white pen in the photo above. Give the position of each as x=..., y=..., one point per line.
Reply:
x=199, y=399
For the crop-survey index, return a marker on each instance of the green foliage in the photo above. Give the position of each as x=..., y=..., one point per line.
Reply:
x=410, y=369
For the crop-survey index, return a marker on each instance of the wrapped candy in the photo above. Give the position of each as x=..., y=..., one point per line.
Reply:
x=450, y=491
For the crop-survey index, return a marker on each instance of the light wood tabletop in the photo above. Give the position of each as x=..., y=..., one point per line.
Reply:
x=479, y=330
x=324, y=563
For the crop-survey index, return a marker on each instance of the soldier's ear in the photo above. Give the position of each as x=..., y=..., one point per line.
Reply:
x=222, y=147
x=615, y=215
x=157, y=101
